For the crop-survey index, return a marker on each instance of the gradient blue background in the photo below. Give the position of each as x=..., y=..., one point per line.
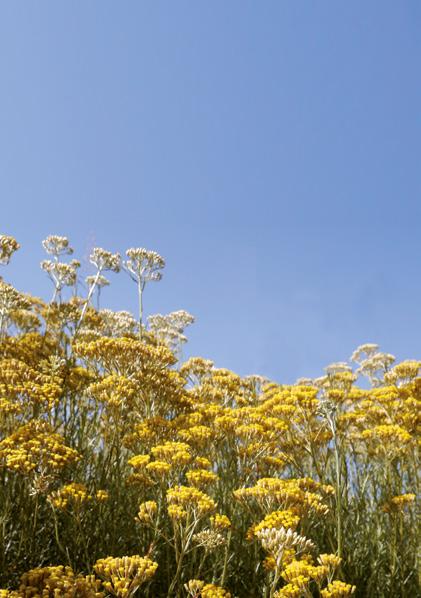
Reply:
x=270, y=151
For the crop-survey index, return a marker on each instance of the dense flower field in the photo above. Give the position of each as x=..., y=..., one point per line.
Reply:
x=125, y=471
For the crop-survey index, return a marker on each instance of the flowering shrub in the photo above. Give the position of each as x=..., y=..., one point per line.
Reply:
x=126, y=472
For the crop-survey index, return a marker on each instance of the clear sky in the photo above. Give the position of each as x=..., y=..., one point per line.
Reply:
x=270, y=151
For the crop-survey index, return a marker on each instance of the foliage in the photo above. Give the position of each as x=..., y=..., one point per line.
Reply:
x=111, y=448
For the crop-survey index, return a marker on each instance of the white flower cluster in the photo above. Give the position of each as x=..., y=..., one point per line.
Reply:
x=11, y=299
x=99, y=281
x=61, y=274
x=105, y=260
x=56, y=245
x=373, y=363
x=209, y=539
x=143, y=265
x=117, y=323
x=337, y=368
x=169, y=329
x=276, y=540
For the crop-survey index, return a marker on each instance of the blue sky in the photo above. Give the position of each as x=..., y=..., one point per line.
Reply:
x=270, y=151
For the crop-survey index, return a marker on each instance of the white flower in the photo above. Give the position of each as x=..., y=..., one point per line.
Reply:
x=105, y=260
x=143, y=265
x=56, y=245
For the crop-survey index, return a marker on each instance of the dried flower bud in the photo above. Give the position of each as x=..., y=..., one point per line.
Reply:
x=60, y=273
x=57, y=245
x=105, y=260
x=209, y=539
x=8, y=246
x=144, y=265
x=99, y=281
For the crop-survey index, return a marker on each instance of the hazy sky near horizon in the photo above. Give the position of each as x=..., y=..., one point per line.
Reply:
x=270, y=151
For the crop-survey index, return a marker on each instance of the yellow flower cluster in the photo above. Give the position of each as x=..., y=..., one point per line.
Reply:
x=57, y=582
x=338, y=589
x=212, y=591
x=147, y=511
x=200, y=477
x=198, y=436
x=25, y=385
x=123, y=576
x=35, y=447
x=159, y=468
x=294, y=493
x=399, y=503
x=301, y=575
x=114, y=391
x=173, y=453
x=198, y=589
x=220, y=522
x=107, y=394
x=183, y=500
x=287, y=519
x=75, y=494
x=139, y=461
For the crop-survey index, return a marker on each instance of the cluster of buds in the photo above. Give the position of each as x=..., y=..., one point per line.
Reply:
x=105, y=260
x=8, y=246
x=117, y=323
x=10, y=301
x=276, y=541
x=56, y=245
x=144, y=265
x=373, y=363
x=61, y=274
x=169, y=329
x=147, y=511
x=56, y=581
x=209, y=539
x=198, y=589
x=100, y=281
x=123, y=576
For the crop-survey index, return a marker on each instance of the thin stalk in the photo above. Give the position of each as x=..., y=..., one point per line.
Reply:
x=140, y=288
x=88, y=299
x=338, y=496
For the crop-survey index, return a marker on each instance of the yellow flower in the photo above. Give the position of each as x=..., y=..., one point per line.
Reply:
x=277, y=519
x=220, y=522
x=34, y=447
x=101, y=495
x=77, y=494
x=337, y=589
x=399, y=503
x=291, y=590
x=147, y=510
x=212, y=591
x=174, y=453
x=58, y=582
x=158, y=467
x=191, y=500
x=139, y=461
x=200, y=477
x=123, y=576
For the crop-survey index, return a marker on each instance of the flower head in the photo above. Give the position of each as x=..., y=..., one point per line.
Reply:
x=144, y=265
x=8, y=246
